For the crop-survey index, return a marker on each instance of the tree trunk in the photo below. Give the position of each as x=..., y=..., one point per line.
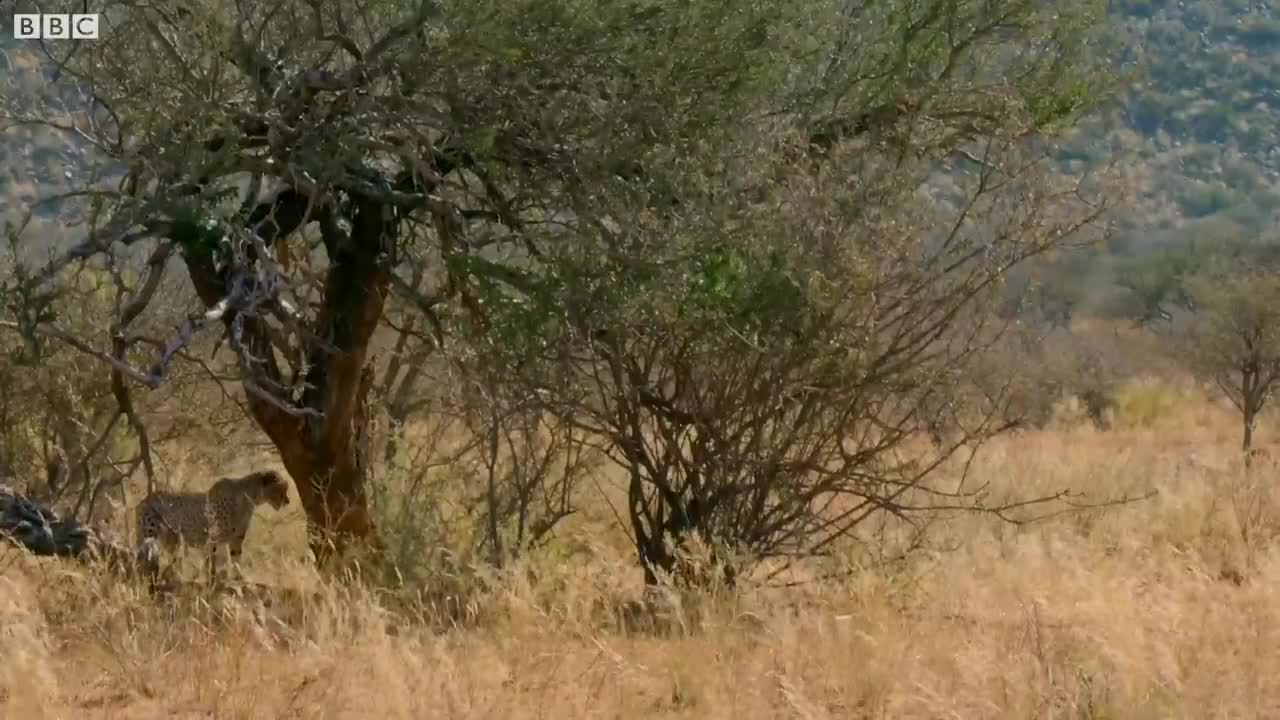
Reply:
x=1249, y=407
x=1246, y=444
x=660, y=531
x=63, y=447
x=331, y=478
x=335, y=501
x=1249, y=412
x=323, y=437
x=646, y=532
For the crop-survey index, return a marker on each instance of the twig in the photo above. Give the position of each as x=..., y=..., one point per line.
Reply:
x=58, y=333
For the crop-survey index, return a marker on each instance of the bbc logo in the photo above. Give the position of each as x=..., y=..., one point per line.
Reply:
x=55, y=27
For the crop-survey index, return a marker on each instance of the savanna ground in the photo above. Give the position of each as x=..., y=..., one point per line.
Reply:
x=1163, y=608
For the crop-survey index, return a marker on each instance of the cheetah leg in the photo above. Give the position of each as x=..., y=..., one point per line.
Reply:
x=235, y=548
x=212, y=564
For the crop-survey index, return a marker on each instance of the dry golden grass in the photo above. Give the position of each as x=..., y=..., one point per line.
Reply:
x=1162, y=609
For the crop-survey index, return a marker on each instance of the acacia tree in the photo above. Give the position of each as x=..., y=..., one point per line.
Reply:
x=556, y=173
x=1156, y=283
x=1234, y=339
x=290, y=155
x=49, y=409
x=62, y=416
x=758, y=362
x=760, y=382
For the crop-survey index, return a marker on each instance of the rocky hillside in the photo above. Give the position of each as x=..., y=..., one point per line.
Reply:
x=35, y=162
x=1198, y=133
x=1204, y=118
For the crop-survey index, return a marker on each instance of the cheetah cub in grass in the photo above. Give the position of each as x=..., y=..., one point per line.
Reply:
x=218, y=517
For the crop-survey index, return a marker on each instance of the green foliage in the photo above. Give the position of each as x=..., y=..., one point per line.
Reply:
x=1156, y=281
x=722, y=349
x=602, y=91
x=1212, y=78
x=519, y=321
x=1144, y=404
x=55, y=397
x=198, y=233
x=756, y=297
x=697, y=229
x=1235, y=340
x=1244, y=309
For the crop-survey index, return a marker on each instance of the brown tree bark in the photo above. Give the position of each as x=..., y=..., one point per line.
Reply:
x=321, y=438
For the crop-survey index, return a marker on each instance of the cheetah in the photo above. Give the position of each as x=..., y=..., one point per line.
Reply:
x=218, y=517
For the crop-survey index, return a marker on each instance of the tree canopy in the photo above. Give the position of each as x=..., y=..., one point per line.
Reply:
x=688, y=228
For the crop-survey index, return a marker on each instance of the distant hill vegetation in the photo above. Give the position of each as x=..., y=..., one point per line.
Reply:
x=1198, y=133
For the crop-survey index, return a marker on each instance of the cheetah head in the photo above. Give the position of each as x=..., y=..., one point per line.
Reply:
x=272, y=488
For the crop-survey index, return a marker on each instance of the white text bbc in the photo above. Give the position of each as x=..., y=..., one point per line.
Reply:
x=51, y=26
